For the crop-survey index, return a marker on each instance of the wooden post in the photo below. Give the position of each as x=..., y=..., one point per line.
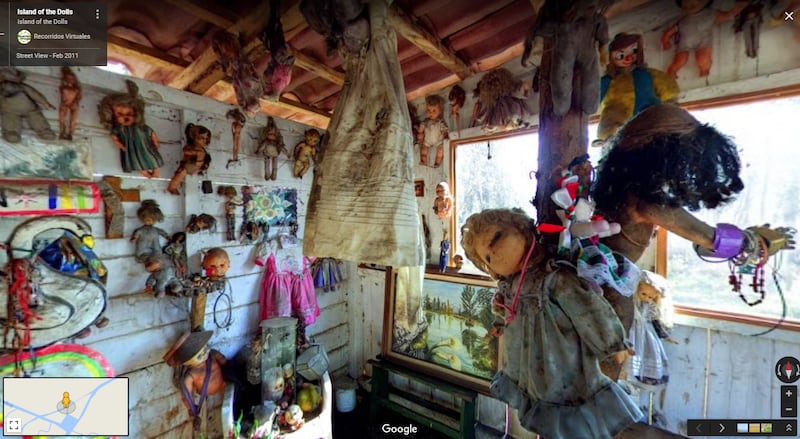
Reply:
x=197, y=317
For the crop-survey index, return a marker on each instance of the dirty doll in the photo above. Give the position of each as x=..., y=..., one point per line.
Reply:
x=163, y=279
x=19, y=101
x=195, y=157
x=271, y=147
x=432, y=131
x=70, y=93
x=147, y=236
x=305, y=151
x=443, y=204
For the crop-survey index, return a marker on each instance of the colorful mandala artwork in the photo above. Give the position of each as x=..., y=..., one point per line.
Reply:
x=272, y=207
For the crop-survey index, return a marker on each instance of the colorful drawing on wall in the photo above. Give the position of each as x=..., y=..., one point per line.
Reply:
x=451, y=338
x=271, y=207
x=50, y=160
x=47, y=197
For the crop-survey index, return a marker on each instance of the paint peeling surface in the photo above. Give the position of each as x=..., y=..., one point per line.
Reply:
x=34, y=158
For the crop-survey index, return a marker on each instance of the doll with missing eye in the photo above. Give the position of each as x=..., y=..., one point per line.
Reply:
x=556, y=328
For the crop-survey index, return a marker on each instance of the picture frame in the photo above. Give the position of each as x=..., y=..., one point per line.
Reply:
x=419, y=188
x=445, y=330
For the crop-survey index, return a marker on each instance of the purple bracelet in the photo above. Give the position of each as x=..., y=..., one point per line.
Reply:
x=728, y=241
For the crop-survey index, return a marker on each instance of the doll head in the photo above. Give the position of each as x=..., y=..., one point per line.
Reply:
x=273, y=384
x=152, y=263
x=122, y=109
x=124, y=115
x=442, y=190
x=228, y=192
x=68, y=77
x=497, y=240
x=198, y=135
x=312, y=137
x=433, y=106
x=625, y=51
x=216, y=263
x=150, y=213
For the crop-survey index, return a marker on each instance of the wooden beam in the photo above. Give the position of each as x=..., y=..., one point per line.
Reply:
x=146, y=54
x=207, y=11
x=420, y=37
x=307, y=63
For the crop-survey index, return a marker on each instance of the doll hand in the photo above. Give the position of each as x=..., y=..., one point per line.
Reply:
x=780, y=238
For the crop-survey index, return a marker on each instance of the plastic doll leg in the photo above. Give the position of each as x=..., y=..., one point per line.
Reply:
x=678, y=62
x=439, y=156
x=274, y=174
x=62, y=123
x=11, y=127
x=703, y=58
x=423, y=155
x=177, y=179
x=267, y=171
x=39, y=124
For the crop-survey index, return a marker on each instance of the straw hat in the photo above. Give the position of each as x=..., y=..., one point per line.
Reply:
x=187, y=347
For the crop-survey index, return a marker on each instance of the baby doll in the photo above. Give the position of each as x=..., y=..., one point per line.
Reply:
x=557, y=328
x=233, y=201
x=238, y=120
x=650, y=366
x=146, y=236
x=195, y=157
x=271, y=148
x=432, y=131
x=162, y=279
x=200, y=370
x=70, y=92
x=305, y=151
x=19, y=101
x=443, y=204
x=123, y=114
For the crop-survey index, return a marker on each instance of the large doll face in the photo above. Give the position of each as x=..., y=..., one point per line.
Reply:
x=626, y=56
x=124, y=115
x=433, y=111
x=501, y=249
x=216, y=264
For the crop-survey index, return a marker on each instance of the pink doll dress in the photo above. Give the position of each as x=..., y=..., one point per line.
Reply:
x=284, y=293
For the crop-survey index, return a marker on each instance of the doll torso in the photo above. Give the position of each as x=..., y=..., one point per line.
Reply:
x=434, y=132
x=696, y=29
x=194, y=159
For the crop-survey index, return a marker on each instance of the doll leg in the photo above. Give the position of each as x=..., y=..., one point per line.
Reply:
x=439, y=156
x=73, y=120
x=423, y=154
x=267, y=171
x=62, y=123
x=274, y=174
x=177, y=179
x=678, y=62
x=11, y=127
x=703, y=58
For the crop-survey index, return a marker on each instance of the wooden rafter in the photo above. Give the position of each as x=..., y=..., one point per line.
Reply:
x=305, y=62
x=420, y=37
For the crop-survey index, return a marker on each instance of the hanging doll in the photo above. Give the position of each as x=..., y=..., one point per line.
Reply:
x=146, y=237
x=196, y=159
x=278, y=72
x=70, y=94
x=748, y=20
x=432, y=131
x=457, y=97
x=499, y=105
x=163, y=278
x=232, y=203
x=443, y=204
x=556, y=329
x=200, y=371
x=248, y=84
x=270, y=148
x=238, y=120
x=327, y=273
x=123, y=114
x=19, y=101
x=176, y=252
x=629, y=86
x=649, y=366
x=305, y=152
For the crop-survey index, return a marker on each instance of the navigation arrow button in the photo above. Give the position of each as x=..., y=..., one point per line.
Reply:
x=721, y=427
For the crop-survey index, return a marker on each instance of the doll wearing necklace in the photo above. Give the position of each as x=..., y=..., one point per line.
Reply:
x=556, y=329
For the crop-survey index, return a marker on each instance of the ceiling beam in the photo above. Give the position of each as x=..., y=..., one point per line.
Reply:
x=422, y=38
x=307, y=63
x=147, y=54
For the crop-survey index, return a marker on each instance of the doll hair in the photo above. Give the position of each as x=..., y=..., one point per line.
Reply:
x=227, y=191
x=663, y=310
x=150, y=209
x=514, y=218
x=130, y=99
x=311, y=133
x=620, y=41
x=444, y=186
x=192, y=131
x=434, y=101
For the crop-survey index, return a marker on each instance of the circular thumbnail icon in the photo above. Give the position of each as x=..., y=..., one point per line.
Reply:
x=788, y=369
x=24, y=36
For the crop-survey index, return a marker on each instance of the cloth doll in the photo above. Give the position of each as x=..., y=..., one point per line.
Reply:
x=629, y=86
x=556, y=329
x=19, y=101
x=499, y=104
x=147, y=236
x=248, y=83
x=443, y=204
x=432, y=131
x=238, y=120
x=305, y=152
x=196, y=159
x=650, y=366
x=163, y=278
x=123, y=114
x=201, y=371
x=278, y=71
x=270, y=148
x=70, y=94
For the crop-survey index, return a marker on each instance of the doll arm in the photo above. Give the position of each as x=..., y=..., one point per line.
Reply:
x=37, y=97
x=115, y=138
x=154, y=139
x=665, y=86
x=595, y=322
x=218, y=356
x=666, y=37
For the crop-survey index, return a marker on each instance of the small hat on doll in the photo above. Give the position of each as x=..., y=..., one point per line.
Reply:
x=189, y=345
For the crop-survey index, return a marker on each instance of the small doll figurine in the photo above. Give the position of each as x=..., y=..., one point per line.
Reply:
x=444, y=253
x=650, y=325
x=70, y=92
x=123, y=114
x=629, y=86
x=163, y=279
x=200, y=371
x=443, y=204
x=271, y=148
x=176, y=251
x=146, y=237
x=305, y=152
x=238, y=120
x=432, y=131
x=233, y=201
x=556, y=325
x=19, y=101
x=195, y=157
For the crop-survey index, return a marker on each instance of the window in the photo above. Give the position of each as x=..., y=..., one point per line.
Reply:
x=766, y=133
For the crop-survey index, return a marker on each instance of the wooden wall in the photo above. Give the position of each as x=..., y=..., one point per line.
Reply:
x=142, y=328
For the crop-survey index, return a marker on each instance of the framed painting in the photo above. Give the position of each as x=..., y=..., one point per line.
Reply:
x=442, y=330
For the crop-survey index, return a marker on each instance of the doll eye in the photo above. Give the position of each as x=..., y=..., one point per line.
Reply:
x=495, y=238
x=619, y=55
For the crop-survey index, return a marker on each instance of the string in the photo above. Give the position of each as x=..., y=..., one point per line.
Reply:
x=513, y=310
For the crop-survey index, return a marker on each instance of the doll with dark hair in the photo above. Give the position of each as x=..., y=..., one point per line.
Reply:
x=556, y=328
x=147, y=236
x=70, y=93
x=195, y=157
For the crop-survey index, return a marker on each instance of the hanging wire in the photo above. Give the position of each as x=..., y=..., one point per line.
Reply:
x=224, y=298
x=488, y=150
x=775, y=279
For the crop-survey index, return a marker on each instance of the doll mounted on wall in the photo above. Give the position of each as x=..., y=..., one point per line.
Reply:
x=629, y=86
x=238, y=119
x=443, y=204
x=19, y=101
x=146, y=237
x=195, y=160
x=70, y=94
x=271, y=147
x=305, y=152
x=432, y=131
x=123, y=114
x=554, y=323
x=499, y=103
